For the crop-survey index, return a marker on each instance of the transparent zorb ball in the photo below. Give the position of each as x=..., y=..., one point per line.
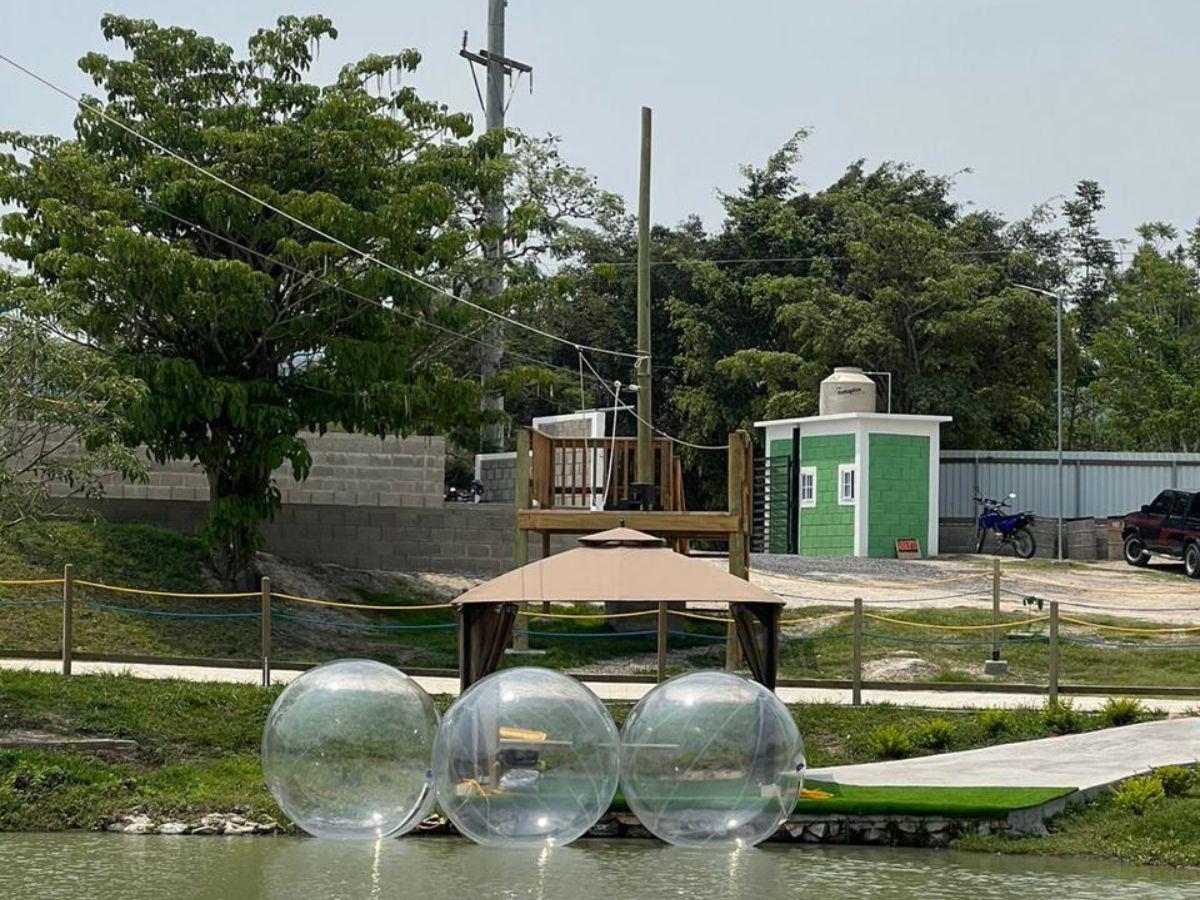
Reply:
x=347, y=750
x=711, y=758
x=526, y=757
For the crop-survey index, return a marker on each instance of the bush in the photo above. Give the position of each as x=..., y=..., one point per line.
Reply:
x=1121, y=711
x=1139, y=795
x=889, y=742
x=1061, y=717
x=936, y=734
x=1177, y=781
x=995, y=722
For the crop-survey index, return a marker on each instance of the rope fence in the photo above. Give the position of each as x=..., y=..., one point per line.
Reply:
x=274, y=605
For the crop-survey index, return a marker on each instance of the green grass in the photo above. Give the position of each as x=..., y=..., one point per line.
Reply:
x=198, y=744
x=954, y=802
x=1168, y=834
x=1124, y=659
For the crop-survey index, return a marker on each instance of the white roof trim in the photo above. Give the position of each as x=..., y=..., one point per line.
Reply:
x=852, y=416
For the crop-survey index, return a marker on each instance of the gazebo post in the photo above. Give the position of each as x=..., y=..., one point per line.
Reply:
x=736, y=472
x=662, y=642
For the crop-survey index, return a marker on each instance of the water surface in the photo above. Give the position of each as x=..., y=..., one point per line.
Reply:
x=102, y=866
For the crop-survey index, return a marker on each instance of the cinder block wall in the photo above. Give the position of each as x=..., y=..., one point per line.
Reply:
x=347, y=470
x=462, y=538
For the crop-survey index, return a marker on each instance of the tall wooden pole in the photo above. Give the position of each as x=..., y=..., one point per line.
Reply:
x=1052, y=688
x=856, y=654
x=645, y=409
x=493, y=350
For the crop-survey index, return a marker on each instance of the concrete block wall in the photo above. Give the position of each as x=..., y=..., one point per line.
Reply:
x=460, y=538
x=498, y=474
x=347, y=470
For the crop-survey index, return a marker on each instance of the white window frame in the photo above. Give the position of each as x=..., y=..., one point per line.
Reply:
x=852, y=471
x=809, y=472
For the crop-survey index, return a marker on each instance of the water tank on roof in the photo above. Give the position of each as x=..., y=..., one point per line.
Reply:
x=847, y=390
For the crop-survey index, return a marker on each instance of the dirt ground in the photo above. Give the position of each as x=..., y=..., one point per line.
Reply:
x=1161, y=592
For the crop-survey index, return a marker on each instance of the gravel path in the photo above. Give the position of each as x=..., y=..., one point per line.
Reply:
x=845, y=567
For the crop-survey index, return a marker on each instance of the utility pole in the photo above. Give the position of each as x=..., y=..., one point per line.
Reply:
x=644, y=471
x=497, y=66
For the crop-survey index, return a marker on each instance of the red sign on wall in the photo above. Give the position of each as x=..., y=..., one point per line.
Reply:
x=908, y=548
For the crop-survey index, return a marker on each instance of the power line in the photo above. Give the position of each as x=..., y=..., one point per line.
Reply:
x=633, y=412
x=763, y=260
x=79, y=101
x=266, y=257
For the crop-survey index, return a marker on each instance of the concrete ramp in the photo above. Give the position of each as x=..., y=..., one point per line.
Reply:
x=1083, y=761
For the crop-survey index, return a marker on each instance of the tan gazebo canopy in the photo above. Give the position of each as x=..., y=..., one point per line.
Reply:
x=616, y=566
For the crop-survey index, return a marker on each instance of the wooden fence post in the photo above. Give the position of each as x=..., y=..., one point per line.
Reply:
x=1054, y=654
x=522, y=501
x=735, y=468
x=68, y=616
x=996, y=609
x=662, y=642
x=856, y=654
x=265, y=586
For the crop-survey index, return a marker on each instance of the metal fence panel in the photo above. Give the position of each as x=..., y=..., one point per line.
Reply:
x=1094, y=484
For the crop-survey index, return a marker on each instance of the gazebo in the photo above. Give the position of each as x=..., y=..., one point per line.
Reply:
x=616, y=566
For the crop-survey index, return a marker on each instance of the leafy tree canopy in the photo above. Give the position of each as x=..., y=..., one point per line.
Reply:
x=245, y=327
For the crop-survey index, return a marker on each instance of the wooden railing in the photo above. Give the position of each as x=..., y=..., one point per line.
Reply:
x=576, y=473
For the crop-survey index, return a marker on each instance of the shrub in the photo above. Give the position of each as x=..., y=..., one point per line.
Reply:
x=1121, y=711
x=936, y=734
x=889, y=742
x=1061, y=717
x=1177, y=781
x=1138, y=795
x=995, y=722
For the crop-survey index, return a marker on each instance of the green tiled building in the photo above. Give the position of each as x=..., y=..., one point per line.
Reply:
x=862, y=481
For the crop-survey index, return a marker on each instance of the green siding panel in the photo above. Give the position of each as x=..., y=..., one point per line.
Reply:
x=827, y=529
x=898, y=492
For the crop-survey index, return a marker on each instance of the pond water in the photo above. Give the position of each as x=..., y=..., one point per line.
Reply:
x=101, y=866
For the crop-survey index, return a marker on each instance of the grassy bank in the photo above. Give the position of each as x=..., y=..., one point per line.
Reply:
x=1168, y=834
x=198, y=745
x=816, y=644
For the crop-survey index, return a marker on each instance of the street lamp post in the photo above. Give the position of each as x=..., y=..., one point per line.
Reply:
x=1058, y=311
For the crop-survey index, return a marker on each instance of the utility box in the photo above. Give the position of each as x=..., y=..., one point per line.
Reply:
x=858, y=482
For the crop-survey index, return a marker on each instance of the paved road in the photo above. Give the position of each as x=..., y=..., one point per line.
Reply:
x=1083, y=761
x=605, y=690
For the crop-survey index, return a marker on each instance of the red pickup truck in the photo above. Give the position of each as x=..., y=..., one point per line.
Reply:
x=1170, y=526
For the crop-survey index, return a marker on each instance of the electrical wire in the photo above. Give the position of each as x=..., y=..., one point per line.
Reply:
x=633, y=412
x=362, y=254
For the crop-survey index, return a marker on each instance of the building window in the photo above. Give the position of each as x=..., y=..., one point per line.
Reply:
x=808, y=486
x=846, y=485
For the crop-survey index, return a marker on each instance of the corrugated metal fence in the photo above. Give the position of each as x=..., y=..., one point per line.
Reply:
x=1094, y=484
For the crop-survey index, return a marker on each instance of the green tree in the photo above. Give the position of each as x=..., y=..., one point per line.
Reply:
x=62, y=407
x=246, y=327
x=1148, y=356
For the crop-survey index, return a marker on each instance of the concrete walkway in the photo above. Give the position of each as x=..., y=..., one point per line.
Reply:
x=607, y=690
x=1086, y=762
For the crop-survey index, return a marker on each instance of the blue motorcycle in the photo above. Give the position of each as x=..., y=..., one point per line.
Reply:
x=1009, y=527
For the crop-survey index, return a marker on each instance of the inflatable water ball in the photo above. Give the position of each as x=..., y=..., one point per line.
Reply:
x=711, y=757
x=346, y=750
x=526, y=757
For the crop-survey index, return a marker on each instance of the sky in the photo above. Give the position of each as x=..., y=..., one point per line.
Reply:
x=1029, y=96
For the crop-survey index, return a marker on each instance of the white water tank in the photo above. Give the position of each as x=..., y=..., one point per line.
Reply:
x=847, y=390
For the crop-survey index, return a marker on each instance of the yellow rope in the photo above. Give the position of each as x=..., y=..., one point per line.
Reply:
x=899, y=585
x=628, y=615
x=1001, y=625
x=174, y=594
x=698, y=616
x=1130, y=630
x=339, y=604
x=1102, y=590
x=30, y=582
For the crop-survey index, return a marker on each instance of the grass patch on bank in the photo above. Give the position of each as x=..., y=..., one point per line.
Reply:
x=952, y=802
x=1168, y=834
